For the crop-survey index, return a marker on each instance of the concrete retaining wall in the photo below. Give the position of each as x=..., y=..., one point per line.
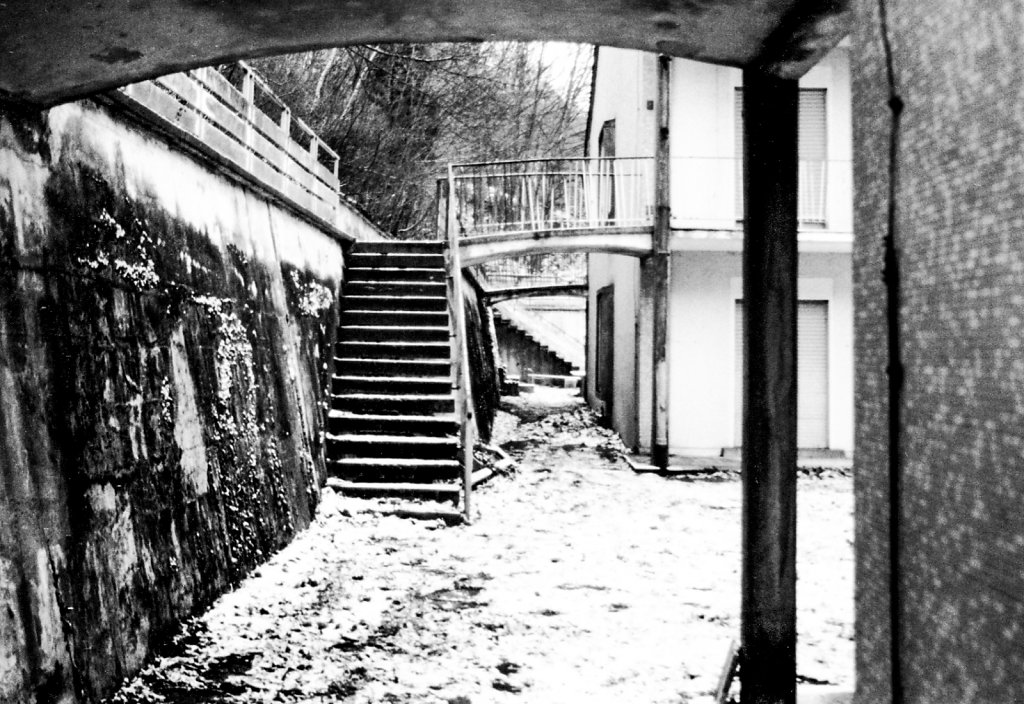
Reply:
x=162, y=330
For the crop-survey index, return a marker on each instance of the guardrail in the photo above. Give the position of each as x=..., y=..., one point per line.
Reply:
x=461, y=376
x=707, y=192
x=551, y=194
x=546, y=195
x=278, y=151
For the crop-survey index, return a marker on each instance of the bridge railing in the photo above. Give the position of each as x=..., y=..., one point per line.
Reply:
x=551, y=194
x=547, y=195
x=248, y=128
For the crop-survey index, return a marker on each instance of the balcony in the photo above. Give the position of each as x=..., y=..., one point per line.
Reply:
x=707, y=194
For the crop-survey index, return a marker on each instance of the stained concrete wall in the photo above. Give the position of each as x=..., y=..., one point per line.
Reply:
x=959, y=68
x=161, y=336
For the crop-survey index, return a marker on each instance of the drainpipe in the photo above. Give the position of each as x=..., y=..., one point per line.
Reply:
x=659, y=268
x=895, y=372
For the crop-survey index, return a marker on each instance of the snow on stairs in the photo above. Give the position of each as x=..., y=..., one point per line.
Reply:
x=392, y=428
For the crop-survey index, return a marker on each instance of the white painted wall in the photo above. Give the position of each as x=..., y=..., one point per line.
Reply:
x=706, y=246
x=626, y=82
x=702, y=396
x=624, y=273
x=703, y=141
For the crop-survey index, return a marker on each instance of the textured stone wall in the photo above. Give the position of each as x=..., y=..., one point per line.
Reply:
x=480, y=344
x=959, y=67
x=161, y=331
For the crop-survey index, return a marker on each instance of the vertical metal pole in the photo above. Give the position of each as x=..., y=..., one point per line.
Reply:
x=460, y=348
x=659, y=269
x=768, y=629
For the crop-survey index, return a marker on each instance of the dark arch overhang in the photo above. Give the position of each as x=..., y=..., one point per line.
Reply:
x=58, y=50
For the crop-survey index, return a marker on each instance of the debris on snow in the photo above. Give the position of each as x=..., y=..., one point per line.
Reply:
x=578, y=581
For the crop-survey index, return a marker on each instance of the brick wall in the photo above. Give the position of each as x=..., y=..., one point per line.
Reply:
x=960, y=69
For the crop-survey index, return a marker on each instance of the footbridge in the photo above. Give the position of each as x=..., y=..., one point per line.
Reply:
x=493, y=210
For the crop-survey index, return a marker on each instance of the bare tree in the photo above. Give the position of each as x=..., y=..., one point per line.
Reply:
x=397, y=113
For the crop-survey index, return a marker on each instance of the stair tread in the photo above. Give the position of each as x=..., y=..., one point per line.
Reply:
x=394, y=379
x=396, y=487
x=400, y=439
x=397, y=343
x=396, y=462
x=396, y=328
x=403, y=397
x=365, y=296
x=426, y=361
x=431, y=269
x=359, y=311
x=405, y=418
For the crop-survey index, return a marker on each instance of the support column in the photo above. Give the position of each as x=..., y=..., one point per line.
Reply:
x=659, y=265
x=768, y=628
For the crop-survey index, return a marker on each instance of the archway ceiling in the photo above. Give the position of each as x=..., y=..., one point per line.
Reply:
x=57, y=50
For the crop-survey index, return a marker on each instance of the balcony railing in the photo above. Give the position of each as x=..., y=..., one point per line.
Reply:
x=707, y=193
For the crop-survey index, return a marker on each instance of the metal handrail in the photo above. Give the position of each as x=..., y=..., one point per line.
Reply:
x=461, y=378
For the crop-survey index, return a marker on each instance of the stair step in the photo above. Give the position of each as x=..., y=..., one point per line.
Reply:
x=393, y=302
x=447, y=490
x=450, y=489
x=384, y=273
x=419, y=260
x=394, y=468
x=400, y=404
x=394, y=317
x=384, y=349
x=372, y=474
x=392, y=446
x=392, y=367
x=395, y=288
x=340, y=383
x=347, y=423
x=394, y=333
x=400, y=247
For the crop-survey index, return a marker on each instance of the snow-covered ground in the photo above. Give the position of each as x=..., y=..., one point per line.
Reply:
x=578, y=581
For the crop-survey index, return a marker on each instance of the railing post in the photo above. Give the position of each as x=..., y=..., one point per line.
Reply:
x=660, y=265
x=442, y=209
x=768, y=623
x=459, y=347
x=249, y=95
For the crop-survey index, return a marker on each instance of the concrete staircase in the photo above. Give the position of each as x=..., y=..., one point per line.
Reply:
x=392, y=427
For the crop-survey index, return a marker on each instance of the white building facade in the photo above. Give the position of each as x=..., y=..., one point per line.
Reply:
x=705, y=300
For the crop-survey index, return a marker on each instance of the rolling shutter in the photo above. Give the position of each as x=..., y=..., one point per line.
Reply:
x=812, y=153
x=811, y=377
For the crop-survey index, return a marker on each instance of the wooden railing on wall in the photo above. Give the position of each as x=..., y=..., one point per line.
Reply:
x=280, y=152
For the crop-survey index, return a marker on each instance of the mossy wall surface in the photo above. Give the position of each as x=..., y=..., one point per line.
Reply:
x=161, y=389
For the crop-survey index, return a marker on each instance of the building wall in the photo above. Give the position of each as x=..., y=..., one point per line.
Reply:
x=623, y=273
x=706, y=243
x=959, y=229
x=163, y=332
x=626, y=84
x=704, y=150
x=702, y=345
